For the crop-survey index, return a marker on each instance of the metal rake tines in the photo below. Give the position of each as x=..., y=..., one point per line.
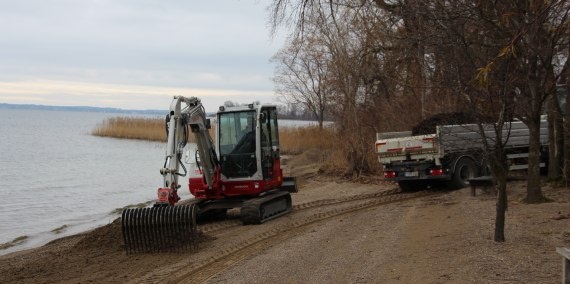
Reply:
x=166, y=228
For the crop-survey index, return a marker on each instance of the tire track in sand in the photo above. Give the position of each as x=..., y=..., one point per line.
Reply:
x=220, y=225
x=193, y=271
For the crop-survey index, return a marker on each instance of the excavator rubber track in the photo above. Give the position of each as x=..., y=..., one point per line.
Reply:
x=265, y=208
x=160, y=228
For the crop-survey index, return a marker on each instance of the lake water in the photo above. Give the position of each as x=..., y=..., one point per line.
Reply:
x=53, y=173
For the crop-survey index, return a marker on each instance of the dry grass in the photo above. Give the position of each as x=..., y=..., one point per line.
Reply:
x=293, y=140
x=337, y=150
x=296, y=140
x=151, y=129
x=334, y=149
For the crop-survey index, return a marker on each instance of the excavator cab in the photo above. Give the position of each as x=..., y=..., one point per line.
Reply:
x=248, y=142
x=237, y=144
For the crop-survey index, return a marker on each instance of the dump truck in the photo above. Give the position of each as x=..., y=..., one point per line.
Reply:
x=452, y=155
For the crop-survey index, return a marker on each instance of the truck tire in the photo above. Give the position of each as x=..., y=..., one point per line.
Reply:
x=465, y=169
x=412, y=185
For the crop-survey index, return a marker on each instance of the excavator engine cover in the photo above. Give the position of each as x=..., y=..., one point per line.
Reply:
x=160, y=228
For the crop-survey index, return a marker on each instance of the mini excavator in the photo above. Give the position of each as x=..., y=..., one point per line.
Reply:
x=241, y=170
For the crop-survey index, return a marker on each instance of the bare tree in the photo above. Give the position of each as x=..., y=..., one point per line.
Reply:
x=535, y=30
x=484, y=75
x=330, y=52
x=302, y=76
x=387, y=57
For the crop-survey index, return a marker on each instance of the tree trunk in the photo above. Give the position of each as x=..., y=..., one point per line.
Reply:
x=555, y=138
x=534, y=192
x=500, y=170
x=501, y=208
x=566, y=171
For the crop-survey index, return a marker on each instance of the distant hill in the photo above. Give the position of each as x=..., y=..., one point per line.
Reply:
x=81, y=109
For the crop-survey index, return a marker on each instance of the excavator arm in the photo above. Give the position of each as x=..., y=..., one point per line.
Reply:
x=165, y=227
x=187, y=114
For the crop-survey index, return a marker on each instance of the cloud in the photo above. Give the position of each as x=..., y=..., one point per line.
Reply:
x=121, y=96
x=218, y=45
x=208, y=77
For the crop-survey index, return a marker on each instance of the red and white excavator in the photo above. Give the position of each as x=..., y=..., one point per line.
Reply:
x=241, y=170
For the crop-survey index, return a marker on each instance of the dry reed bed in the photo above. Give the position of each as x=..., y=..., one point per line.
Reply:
x=296, y=140
x=293, y=140
x=152, y=129
x=334, y=156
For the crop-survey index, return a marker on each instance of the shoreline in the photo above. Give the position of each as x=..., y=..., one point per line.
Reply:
x=84, y=225
x=452, y=229
x=37, y=240
x=362, y=232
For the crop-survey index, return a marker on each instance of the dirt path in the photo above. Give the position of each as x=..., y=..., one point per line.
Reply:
x=338, y=232
x=435, y=239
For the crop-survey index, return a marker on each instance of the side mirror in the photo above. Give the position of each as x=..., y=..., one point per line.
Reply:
x=208, y=124
x=262, y=117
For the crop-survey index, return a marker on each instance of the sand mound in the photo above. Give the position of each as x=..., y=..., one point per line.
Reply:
x=109, y=236
x=305, y=165
x=311, y=156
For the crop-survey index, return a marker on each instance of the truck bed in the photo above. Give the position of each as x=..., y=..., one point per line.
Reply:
x=454, y=138
x=394, y=146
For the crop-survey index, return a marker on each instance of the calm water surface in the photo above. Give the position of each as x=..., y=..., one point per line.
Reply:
x=53, y=173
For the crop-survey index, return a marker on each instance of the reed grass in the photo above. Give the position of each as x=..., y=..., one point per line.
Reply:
x=296, y=140
x=151, y=129
x=292, y=140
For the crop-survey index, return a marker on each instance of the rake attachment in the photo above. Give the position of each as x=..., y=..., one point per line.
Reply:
x=158, y=229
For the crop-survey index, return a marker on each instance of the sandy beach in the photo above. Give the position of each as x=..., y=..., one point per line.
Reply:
x=363, y=231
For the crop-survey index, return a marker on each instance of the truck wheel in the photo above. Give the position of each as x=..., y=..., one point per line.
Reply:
x=465, y=169
x=415, y=185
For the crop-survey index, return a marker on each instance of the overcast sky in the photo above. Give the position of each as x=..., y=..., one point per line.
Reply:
x=135, y=54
